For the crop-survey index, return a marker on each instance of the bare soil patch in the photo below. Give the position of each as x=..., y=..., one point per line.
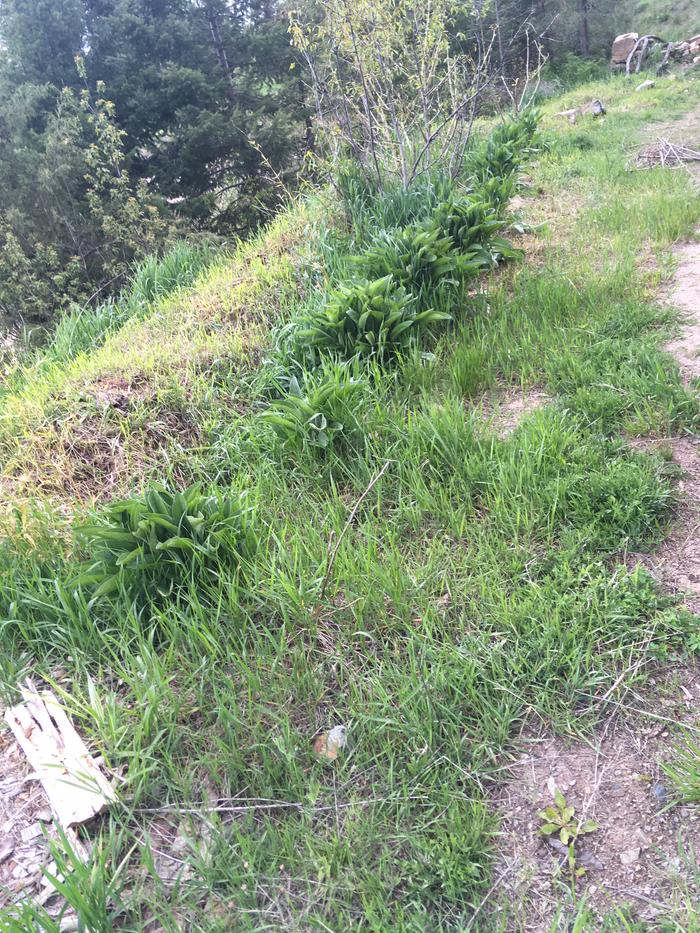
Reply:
x=643, y=852
x=676, y=562
x=504, y=411
x=685, y=295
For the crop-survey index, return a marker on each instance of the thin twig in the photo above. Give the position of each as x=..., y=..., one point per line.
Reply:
x=348, y=523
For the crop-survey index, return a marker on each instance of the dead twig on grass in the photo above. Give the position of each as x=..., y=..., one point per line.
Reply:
x=331, y=560
x=665, y=153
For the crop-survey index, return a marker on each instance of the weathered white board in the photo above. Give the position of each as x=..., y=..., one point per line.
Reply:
x=76, y=788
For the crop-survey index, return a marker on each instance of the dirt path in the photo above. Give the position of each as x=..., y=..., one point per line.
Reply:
x=642, y=854
x=676, y=563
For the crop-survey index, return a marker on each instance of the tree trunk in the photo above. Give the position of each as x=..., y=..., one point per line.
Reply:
x=213, y=21
x=584, y=45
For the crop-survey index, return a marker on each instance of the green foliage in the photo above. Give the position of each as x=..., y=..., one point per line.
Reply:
x=319, y=415
x=504, y=151
x=469, y=370
x=369, y=319
x=86, y=328
x=150, y=546
x=206, y=109
x=560, y=820
x=449, y=861
x=472, y=225
x=420, y=259
x=569, y=70
x=72, y=221
x=683, y=769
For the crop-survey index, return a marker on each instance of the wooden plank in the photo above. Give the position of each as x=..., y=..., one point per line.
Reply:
x=76, y=788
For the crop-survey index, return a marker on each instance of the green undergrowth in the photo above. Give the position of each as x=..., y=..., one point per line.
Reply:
x=480, y=587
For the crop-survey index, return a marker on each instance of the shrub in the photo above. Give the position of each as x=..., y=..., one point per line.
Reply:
x=496, y=192
x=504, y=152
x=368, y=319
x=317, y=416
x=153, y=544
x=472, y=225
x=417, y=258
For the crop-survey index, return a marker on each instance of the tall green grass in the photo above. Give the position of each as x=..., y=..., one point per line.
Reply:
x=82, y=329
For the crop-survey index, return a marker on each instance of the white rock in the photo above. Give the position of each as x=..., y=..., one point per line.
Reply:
x=630, y=856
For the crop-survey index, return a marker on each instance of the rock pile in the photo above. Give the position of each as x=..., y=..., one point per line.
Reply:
x=630, y=46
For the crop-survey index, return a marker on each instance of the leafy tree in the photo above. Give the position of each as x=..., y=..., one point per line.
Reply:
x=71, y=220
x=204, y=91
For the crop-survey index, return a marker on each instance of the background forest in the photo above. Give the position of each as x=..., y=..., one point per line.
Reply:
x=125, y=124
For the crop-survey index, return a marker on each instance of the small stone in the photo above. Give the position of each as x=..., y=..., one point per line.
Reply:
x=44, y=815
x=630, y=856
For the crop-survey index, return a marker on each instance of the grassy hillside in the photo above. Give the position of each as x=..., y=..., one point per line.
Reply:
x=479, y=585
x=670, y=19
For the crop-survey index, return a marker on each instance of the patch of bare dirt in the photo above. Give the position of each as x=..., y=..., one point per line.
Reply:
x=641, y=854
x=114, y=391
x=504, y=411
x=685, y=295
x=96, y=458
x=676, y=561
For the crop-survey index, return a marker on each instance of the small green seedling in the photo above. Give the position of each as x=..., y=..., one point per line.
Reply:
x=560, y=820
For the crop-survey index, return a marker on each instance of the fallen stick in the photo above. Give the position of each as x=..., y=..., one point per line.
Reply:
x=348, y=523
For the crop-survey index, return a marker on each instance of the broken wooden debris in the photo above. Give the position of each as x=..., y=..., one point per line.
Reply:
x=665, y=153
x=76, y=788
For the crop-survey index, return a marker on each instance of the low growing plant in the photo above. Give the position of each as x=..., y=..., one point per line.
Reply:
x=369, y=319
x=560, y=820
x=418, y=258
x=503, y=153
x=153, y=544
x=473, y=224
x=316, y=416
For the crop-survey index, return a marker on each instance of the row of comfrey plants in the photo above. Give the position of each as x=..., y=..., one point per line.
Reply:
x=408, y=282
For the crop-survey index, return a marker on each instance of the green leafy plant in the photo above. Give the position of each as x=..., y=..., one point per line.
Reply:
x=318, y=415
x=560, y=821
x=472, y=224
x=503, y=153
x=418, y=258
x=156, y=543
x=496, y=191
x=369, y=319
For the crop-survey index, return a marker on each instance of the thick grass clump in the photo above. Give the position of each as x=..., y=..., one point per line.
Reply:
x=84, y=329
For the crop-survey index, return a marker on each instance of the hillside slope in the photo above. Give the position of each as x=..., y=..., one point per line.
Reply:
x=437, y=561
x=674, y=20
